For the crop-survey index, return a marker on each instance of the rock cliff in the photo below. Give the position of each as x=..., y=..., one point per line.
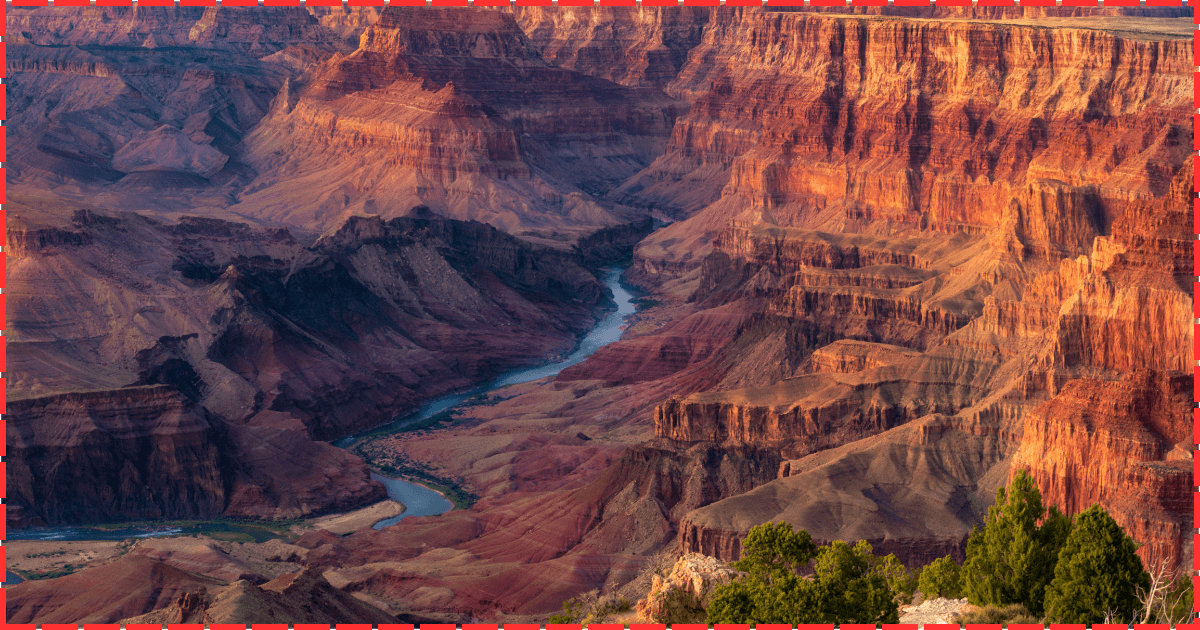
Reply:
x=1125, y=445
x=787, y=119
x=633, y=46
x=238, y=369
x=131, y=454
x=467, y=118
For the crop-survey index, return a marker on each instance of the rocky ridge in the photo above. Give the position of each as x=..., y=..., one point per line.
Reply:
x=884, y=295
x=224, y=366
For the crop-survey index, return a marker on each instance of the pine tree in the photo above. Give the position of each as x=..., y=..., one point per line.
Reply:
x=1098, y=572
x=941, y=578
x=1012, y=560
x=845, y=586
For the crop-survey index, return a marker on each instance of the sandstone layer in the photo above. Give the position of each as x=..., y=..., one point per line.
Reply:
x=193, y=347
x=464, y=117
x=908, y=253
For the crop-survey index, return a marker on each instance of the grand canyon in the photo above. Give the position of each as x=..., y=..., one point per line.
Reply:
x=883, y=259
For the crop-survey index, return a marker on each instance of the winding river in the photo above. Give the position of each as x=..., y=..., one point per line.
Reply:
x=419, y=500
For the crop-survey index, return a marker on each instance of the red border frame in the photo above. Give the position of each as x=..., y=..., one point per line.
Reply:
x=603, y=3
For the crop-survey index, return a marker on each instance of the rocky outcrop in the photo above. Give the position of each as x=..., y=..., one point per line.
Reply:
x=470, y=121
x=633, y=46
x=304, y=597
x=134, y=454
x=348, y=23
x=684, y=593
x=1125, y=445
x=846, y=356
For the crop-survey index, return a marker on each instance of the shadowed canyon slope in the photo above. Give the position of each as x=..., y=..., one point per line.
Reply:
x=198, y=341
x=907, y=253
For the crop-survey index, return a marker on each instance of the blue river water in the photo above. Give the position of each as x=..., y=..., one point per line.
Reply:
x=417, y=499
x=421, y=501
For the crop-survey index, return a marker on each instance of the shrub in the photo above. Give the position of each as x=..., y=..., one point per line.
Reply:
x=992, y=614
x=901, y=582
x=844, y=588
x=941, y=578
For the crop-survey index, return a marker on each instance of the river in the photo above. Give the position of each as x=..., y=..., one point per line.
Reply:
x=418, y=500
x=421, y=501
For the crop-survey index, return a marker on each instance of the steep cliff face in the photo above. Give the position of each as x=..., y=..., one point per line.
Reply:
x=1125, y=445
x=788, y=109
x=468, y=118
x=148, y=452
x=633, y=46
x=131, y=454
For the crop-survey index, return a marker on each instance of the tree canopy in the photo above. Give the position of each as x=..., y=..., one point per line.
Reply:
x=941, y=578
x=845, y=586
x=1012, y=560
x=1098, y=573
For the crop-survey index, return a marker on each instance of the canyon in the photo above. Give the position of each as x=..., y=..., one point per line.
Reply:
x=901, y=254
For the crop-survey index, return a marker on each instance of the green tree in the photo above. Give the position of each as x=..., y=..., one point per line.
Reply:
x=1098, y=572
x=1012, y=560
x=902, y=583
x=844, y=586
x=941, y=578
x=773, y=550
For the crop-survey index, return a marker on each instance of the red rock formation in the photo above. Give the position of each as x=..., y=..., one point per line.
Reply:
x=1125, y=445
x=813, y=143
x=468, y=119
x=844, y=357
x=139, y=453
x=631, y=46
x=898, y=239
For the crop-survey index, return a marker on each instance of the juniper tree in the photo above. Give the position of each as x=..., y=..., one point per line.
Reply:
x=844, y=588
x=941, y=578
x=1098, y=572
x=1012, y=560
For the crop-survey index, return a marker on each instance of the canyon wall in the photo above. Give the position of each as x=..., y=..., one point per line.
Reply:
x=242, y=368
x=788, y=114
x=465, y=117
x=132, y=454
x=1068, y=261
x=913, y=252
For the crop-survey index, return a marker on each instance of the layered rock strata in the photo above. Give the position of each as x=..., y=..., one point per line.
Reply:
x=786, y=123
x=463, y=116
x=236, y=368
